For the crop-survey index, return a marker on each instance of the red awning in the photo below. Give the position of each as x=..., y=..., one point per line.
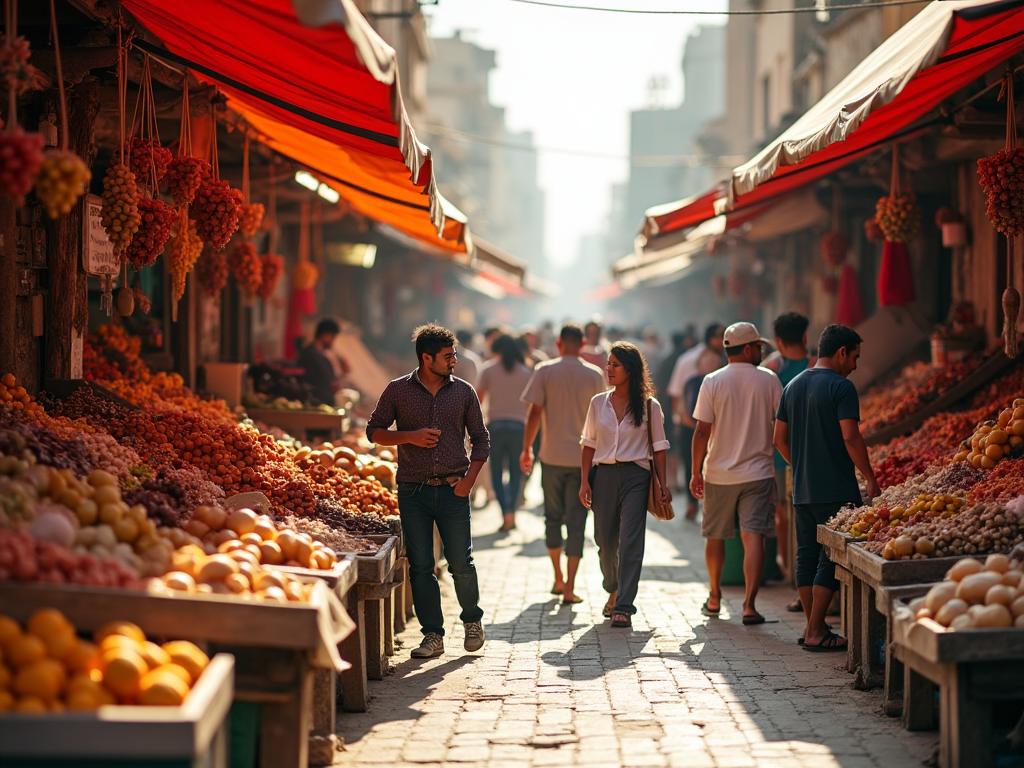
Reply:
x=937, y=53
x=317, y=68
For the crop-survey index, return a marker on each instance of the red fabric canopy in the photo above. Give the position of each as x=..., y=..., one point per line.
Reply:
x=979, y=41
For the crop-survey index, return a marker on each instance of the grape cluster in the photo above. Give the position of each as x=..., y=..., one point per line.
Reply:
x=1002, y=178
x=899, y=217
x=217, y=208
x=252, y=218
x=305, y=275
x=185, y=174
x=186, y=246
x=212, y=271
x=146, y=156
x=834, y=246
x=154, y=230
x=14, y=56
x=120, y=209
x=246, y=267
x=61, y=181
x=21, y=157
x=272, y=266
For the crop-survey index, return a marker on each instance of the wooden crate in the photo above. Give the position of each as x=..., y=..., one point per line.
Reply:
x=339, y=579
x=836, y=544
x=938, y=645
x=879, y=572
x=193, y=734
x=375, y=569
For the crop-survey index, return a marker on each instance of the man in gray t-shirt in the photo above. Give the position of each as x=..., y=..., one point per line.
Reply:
x=559, y=394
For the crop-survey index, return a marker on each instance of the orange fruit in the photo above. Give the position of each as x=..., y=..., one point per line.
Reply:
x=30, y=704
x=6, y=701
x=187, y=655
x=9, y=629
x=5, y=677
x=25, y=649
x=48, y=621
x=179, y=671
x=162, y=688
x=83, y=657
x=85, y=693
x=121, y=641
x=123, y=668
x=44, y=679
x=125, y=628
x=154, y=655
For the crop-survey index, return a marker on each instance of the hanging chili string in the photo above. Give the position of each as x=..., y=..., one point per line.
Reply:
x=1011, y=297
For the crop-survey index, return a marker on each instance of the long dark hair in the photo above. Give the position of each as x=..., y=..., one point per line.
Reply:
x=640, y=387
x=506, y=347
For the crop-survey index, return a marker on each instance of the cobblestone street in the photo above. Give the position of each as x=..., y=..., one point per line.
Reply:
x=557, y=685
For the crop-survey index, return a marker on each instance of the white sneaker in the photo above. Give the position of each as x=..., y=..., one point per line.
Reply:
x=432, y=645
x=474, y=636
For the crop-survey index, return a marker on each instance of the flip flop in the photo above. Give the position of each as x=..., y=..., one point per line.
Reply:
x=795, y=607
x=755, y=618
x=830, y=642
x=575, y=601
x=607, y=612
x=556, y=590
x=799, y=641
x=710, y=611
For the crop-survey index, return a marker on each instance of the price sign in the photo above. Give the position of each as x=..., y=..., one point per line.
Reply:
x=97, y=250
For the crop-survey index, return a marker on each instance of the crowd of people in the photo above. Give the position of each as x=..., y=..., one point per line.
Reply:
x=616, y=427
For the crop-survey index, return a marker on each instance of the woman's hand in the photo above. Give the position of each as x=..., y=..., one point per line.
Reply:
x=666, y=495
x=585, y=494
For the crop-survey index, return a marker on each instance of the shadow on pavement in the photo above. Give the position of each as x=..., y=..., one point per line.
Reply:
x=549, y=620
x=599, y=650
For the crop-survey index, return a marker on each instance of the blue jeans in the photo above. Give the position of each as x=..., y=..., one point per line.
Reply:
x=420, y=507
x=506, y=445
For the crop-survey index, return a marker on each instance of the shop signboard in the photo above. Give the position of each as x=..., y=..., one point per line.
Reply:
x=97, y=250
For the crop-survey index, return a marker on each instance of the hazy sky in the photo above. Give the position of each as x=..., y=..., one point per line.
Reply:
x=572, y=78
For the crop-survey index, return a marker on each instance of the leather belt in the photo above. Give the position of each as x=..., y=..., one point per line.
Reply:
x=436, y=481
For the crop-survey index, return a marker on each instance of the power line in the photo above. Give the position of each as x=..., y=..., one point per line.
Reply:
x=691, y=160
x=767, y=12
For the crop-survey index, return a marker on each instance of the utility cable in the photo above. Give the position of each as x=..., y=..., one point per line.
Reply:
x=765, y=12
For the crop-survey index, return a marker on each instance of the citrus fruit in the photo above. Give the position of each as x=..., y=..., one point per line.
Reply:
x=6, y=701
x=162, y=688
x=44, y=679
x=179, y=671
x=121, y=641
x=125, y=628
x=9, y=629
x=154, y=655
x=83, y=657
x=48, y=621
x=30, y=704
x=123, y=668
x=25, y=649
x=187, y=655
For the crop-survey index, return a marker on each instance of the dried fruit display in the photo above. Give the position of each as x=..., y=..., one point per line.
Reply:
x=217, y=209
x=899, y=217
x=146, y=157
x=252, y=218
x=185, y=175
x=61, y=181
x=154, y=230
x=186, y=247
x=246, y=267
x=212, y=271
x=21, y=157
x=272, y=267
x=1002, y=178
x=120, y=210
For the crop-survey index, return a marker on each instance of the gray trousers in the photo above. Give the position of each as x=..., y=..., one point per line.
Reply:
x=620, y=524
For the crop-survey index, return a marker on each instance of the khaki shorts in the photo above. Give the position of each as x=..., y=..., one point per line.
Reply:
x=753, y=502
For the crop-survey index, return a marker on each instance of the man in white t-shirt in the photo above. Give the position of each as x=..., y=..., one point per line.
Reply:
x=735, y=416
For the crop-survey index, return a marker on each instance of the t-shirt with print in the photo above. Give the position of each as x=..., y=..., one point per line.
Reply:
x=813, y=404
x=739, y=402
x=563, y=388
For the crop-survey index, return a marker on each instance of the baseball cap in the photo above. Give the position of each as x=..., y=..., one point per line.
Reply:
x=738, y=334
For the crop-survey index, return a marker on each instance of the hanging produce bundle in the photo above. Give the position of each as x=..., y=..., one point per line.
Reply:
x=305, y=275
x=21, y=157
x=252, y=218
x=212, y=271
x=61, y=181
x=142, y=301
x=1002, y=178
x=14, y=57
x=899, y=217
x=120, y=208
x=147, y=157
x=154, y=230
x=217, y=208
x=873, y=232
x=186, y=247
x=272, y=267
x=246, y=267
x=834, y=246
x=185, y=175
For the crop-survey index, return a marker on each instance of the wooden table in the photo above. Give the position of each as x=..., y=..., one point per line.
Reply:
x=275, y=646
x=973, y=669
x=297, y=422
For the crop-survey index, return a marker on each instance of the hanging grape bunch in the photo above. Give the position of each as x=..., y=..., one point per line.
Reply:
x=252, y=217
x=217, y=208
x=873, y=232
x=14, y=64
x=146, y=155
x=185, y=174
x=246, y=267
x=154, y=230
x=120, y=208
x=273, y=268
x=61, y=181
x=186, y=246
x=899, y=217
x=1002, y=178
x=212, y=271
x=833, y=248
x=305, y=275
x=21, y=157
x=142, y=301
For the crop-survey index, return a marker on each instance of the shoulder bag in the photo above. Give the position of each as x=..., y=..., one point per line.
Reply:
x=655, y=506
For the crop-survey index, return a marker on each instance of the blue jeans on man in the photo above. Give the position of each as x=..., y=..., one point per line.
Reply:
x=422, y=506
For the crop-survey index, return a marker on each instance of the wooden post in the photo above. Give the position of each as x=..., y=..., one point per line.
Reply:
x=67, y=312
x=354, y=687
x=10, y=361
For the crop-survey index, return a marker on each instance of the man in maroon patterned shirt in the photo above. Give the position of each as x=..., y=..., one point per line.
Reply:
x=432, y=411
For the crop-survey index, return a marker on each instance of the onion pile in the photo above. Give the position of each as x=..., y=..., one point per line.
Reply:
x=1002, y=178
x=154, y=230
x=246, y=267
x=120, y=210
x=185, y=175
x=976, y=596
x=217, y=208
x=212, y=271
x=899, y=217
x=272, y=266
x=21, y=157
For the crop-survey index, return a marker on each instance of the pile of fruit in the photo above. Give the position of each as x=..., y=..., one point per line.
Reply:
x=46, y=668
x=994, y=441
x=976, y=596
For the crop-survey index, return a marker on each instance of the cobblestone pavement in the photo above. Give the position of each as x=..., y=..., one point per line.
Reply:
x=557, y=685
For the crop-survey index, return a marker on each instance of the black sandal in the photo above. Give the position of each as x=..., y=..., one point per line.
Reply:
x=711, y=611
x=830, y=642
x=620, y=619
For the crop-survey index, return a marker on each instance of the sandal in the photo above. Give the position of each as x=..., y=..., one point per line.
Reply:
x=620, y=619
x=830, y=642
x=711, y=611
x=795, y=607
x=574, y=600
x=754, y=618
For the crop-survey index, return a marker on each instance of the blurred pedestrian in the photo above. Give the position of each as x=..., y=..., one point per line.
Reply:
x=734, y=413
x=433, y=411
x=817, y=431
x=501, y=384
x=662, y=376
x=559, y=394
x=319, y=372
x=595, y=349
x=469, y=361
x=616, y=474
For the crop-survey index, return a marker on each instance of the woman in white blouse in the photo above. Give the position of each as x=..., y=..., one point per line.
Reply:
x=616, y=474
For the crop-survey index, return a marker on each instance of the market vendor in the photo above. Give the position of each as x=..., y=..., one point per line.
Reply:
x=319, y=371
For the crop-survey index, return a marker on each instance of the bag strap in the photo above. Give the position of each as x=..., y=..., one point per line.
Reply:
x=650, y=444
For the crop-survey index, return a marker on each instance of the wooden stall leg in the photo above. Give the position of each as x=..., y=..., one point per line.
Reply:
x=374, y=618
x=965, y=731
x=355, y=691
x=322, y=741
x=854, y=636
x=872, y=630
x=284, y=726
x=388, y=606
x=400, y=608
x=918, y=701
x=895, y=689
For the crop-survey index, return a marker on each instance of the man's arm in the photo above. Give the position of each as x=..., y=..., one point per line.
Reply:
x=481, y=442
x=780, y=439
x=384, y=415
x=701, y=437
x=529, y=435
x=859, y=453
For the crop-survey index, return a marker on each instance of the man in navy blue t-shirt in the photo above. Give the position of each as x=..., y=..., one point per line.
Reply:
x=817, y=432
